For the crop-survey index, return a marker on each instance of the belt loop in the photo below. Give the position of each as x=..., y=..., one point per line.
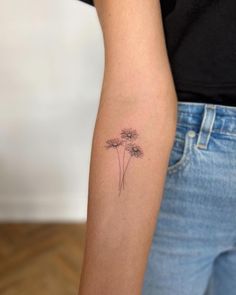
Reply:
x=206, y=126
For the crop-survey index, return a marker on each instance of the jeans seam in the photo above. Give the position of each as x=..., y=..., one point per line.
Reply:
x=185, y=156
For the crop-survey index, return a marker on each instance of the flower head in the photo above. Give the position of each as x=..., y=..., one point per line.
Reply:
x=113, y=143
x=134, y=150
x=129, y=134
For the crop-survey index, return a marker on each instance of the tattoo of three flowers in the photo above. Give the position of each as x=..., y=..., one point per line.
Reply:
x=126, y=140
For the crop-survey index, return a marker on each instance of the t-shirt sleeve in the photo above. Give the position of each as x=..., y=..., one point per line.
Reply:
x=90, y=2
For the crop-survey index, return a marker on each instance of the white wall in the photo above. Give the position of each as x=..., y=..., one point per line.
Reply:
x=51, y=56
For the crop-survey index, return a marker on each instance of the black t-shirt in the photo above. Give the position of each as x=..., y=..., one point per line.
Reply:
x=201, y=43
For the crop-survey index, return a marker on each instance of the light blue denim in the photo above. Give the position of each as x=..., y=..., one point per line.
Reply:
x=193, y=251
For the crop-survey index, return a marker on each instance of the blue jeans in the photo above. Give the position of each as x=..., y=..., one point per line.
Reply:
x=193, y=251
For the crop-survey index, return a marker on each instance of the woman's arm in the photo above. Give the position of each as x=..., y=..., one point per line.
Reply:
x=128, y=167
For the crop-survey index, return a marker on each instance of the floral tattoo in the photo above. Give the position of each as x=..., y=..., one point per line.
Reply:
x=125, y=145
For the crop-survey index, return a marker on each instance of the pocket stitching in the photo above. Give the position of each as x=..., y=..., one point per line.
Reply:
x=185, y=156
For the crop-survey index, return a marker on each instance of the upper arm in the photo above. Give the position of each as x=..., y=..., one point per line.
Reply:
x=133, y=40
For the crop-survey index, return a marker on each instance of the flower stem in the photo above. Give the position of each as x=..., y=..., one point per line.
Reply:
x=123, y=177
x=119, y=168
x=123, y=167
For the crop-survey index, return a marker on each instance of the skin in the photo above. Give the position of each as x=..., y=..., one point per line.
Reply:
x=137, y=92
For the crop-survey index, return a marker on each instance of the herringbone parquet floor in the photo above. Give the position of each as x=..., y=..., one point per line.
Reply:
x=40, y=259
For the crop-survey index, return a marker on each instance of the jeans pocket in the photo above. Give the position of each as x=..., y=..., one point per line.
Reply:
x=181, y=148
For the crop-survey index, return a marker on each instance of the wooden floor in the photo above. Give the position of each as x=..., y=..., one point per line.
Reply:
x=38, y=259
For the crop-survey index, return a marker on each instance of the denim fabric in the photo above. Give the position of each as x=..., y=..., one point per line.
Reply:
x=193, y=251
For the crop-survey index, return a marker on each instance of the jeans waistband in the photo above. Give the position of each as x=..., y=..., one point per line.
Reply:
x=207, y=118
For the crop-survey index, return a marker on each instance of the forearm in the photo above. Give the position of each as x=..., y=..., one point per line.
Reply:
x=121, y=223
